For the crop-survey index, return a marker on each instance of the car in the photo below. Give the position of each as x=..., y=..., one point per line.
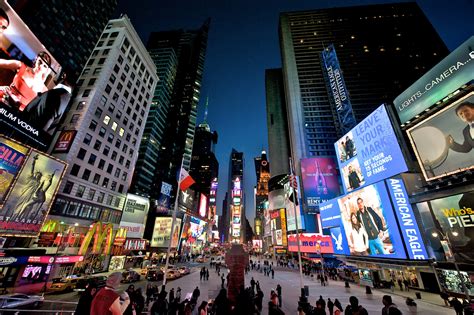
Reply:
x=64, y=284
x=154, y=275
x=201, y=259
x=183, y=270
x=162, y=268
x=20, y=301
x=130, y=276
x=83, y=282
x=172, y=274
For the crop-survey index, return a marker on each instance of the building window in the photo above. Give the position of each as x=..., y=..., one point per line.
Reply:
x=93, y=125
x=127, y=68
x=110, y=138
x=81, y=154
x=101, y=61
x=75, y=170
x=80, y=105
x=110, y=198
x=116, y=69
x=108, y=88
x=113, y=186
x=105, y=182
x=120, y=190
x=101, y=164
x=110, y=168
x=115, y=97
x=96, y=179
x=97, y=145
x=87, y=139
x=106, y=150
x=112, y=78
x=80, y=191
x=91, y=82
x=114, y=156
x=98, y=112
x=91, y=194
x=119, y=87
x=86, y=93
x=121, y=160
x=124, y=176
x=117, y=204
x=103, y=100
x=121, y=131
x=111, y=108
x=97, y=70
x=86, y=174
x=114, y=126
x=117, y=172
x=92, y=159
x=106, y=120
x=102, y=131
x=101, y=196
x=68, y=187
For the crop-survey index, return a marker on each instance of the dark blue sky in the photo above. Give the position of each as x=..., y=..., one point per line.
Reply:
x=243, y=42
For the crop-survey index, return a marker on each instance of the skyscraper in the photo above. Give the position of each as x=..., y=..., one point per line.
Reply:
x=177, y=142
x=262, y=170
x=68, y=29
x=106, y=121
x=236, y=198
x=381, y=49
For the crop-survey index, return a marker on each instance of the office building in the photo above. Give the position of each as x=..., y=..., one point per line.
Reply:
x=107, y=119
x=262, y=171
x=68, y=29
x=381, y=49
x=236, y=201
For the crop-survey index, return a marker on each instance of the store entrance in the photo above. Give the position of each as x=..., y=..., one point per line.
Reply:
x=429, y=282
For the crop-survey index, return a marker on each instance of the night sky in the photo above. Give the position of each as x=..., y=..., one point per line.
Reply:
x=243, y=42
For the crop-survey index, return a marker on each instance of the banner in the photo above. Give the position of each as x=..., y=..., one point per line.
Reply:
x=134, y=215
x=31, y=196
x=162, y=232
x=443, y=143
x=370, y=152
x=320, y=180
x=311, y=243
x=34, y=94
x=12, y=156
x=446, y=77
x=64, y=142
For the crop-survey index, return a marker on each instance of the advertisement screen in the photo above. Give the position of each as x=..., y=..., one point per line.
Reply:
x=446, y=77
x=278, y=227
x=311, y=243
x=203, y=206
x=12, y=156
x=320, y=180
x=31, y=196
x=369, y=223
x=444, y=142
x=134, y=214
x=456, y=219
x=187, y=199
x=337, y=87
x=162, y=232
x=64, y=142
x=33, y=94
x=370, y=152
x=339, y=241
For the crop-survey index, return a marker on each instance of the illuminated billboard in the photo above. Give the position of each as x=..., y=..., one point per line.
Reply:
x=31, y=196
x=320, y=180
x=311, y=243
x=203, y=206
x=337, y=88
x=278, y=227
x=12, y=156
x=443, y=79
x=134, y=215
x=370, y=152
x=34, y=94
x=64, y=141
x=162, y=232
x=443, y=143
x=367, y=221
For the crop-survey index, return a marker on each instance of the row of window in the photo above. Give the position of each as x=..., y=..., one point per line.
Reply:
x=92, y=194
x=85, y=211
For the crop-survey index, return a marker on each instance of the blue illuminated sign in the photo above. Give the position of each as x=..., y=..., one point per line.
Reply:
x=406, y=219
x=339, y=241
x=370, y=152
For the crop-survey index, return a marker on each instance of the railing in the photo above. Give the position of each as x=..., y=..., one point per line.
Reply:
x=43, y=310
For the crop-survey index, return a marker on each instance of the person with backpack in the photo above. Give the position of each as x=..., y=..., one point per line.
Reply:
x=389, y=307
x=354, y=308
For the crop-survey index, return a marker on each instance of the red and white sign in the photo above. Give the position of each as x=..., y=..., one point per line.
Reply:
x=64, y=141
x=311, y=243
x=135, y=244
x=58, y=260
x=186, y=180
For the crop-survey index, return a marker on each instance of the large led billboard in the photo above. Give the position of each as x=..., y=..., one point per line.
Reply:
x=311, y=243
x=12, y=156
x=444, y=142
x=34, y=94
x=134, y=215
x=370, y=152
x=320, y=180
x=337, y=88
x=162, y=232
x=30, y=198
x=278, y=227
x=446, y=77
x=367, y=220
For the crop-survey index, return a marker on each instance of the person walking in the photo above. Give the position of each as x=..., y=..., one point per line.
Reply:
x=107, y=300
x=338, y=307
x=259, y=299
x=354, y=308
x=389, y=307
x=278, y=290
x=139, y=300
x=202, y=309
x=273, y=273
x=330, y=306
x=196, y=294
x=322, y=302
x=457, y=305
x=207, y=274
x=222, y=280
x=252, y=284
x=85, y=301
x=319, y=310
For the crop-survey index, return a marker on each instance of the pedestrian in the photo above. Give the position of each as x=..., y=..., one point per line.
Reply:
x=259, y=299
x=330, y=306
x=178, y=295
x=400, y=284
x=445, y=296
x=326, y=279
x=354, y=308
x=389, y=307
x=196, y=294
x=139, y=301
x=149, y=293
x=278, y=289
x=207, y=274
x=85, y=301
x=273, y=273
x=202, y=309
x=201, y=274
x=131, y=293
x=107, y=300
x=222, y=281
x=252, y=284
x=338, y=306
x=322, y=281
x=322, y=302
x=392, y=285
x=457, y=305
x=221, y=304
x=406, y=283
x=319, y=310
x=171, y=296
x=300, y=311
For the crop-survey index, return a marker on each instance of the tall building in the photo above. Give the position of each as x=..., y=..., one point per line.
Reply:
x=236, y=198
x=277, y=122
x=68, y=29
x=381, y=49
x=262, y=170
x=177, y=142
x=166, y=62
x=106, y=119
x=224, y=220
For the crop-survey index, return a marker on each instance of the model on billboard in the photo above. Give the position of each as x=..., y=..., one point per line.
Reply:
x=347, y=149
x=373, y=226
x=465, y=112
x=4, y=21
x=358, y=237
x=352, y=175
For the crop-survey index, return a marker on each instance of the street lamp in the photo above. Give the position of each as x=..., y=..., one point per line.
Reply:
x=443, y=237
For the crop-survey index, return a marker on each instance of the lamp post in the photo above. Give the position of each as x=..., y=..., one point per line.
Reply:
x=443, y=237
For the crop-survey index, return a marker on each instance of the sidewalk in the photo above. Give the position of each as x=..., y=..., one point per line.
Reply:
x=427, y=297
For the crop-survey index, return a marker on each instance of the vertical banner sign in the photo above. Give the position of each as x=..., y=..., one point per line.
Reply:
x=406, y=219
x=337, y=88
x=64, y=142
x=12, y=156
x=283, y=227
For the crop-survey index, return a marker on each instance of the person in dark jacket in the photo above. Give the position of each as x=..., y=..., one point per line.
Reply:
x=330, y=306
x=354, y=307
x=85, y=301
x=389, y=307
x=373, y=225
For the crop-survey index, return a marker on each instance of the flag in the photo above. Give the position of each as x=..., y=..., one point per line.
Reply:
x=294, y=181
x=186, y=180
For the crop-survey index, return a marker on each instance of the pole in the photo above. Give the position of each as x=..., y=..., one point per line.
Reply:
x=461, y=278
x=173, y=223
x=297, y=231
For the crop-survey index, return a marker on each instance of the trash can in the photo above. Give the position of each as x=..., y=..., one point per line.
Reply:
x=306, y=290
x=418, y=295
